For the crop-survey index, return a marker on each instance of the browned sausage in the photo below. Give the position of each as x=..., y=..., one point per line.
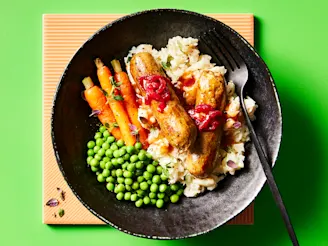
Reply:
x=204, y=155
x=175, y=123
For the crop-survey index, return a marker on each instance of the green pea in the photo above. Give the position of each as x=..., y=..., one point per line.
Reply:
x=94, y=162
x=89, y=159
x=119, y=172
x=111, y=179
x=102, y=164
x=114, y=162
x=101, y=178
x=135, y=185
x=121, y=187
x=114, y=147
x=98, y=135
x=147, y=175
x=120, y=160
x=160, y=195
x=164, y=177
x=174, y=198
x=134, y=158
x=99, y=142
x=152, y=194
x=109, y=153
x=90, y=152
x=142, y=156
x=126, y=157
x=105, y=146
x=113, y=173
x=97, y=157
x=159, y=203
x=127, y=174
x=141, y=193
x=91, y=144
x=155, y=163
x=151, y=168
x=174, y=187
x=146, y=200
x=159, y=170
x=140, y=179
x=127, y=196
x=156, y=179
x=124, y=166
x=154, y=188
x=109, y=165
x=106, y=134
x=94, y=169
x=101, y=152
x=131, y=167
x=139, y=165
x=139, y=203
x=102, y=128
x=120, y=143
x=128, y=181
x=96, y=149
x=144, y=185
x=110, y=139
x=134, y=197
x=110, y=186
x=105, y=173
x=120, y=180
x=130, y=149
x=128, y=187
x=106, y=159
x=121, y=152
x=162, y=188
x=149, y=182
x=138, y=145
x=149, y=156
x=97, y=173
x=180, y=192
x=116, y=153
x=119, y=196
x=115, y=190
x=153, y=201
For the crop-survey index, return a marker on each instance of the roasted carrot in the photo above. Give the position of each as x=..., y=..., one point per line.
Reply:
x=129, y=101
x=97, y=101
x=108, y=84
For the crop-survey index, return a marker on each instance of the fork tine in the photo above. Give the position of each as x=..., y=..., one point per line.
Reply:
x=224, y=49
x=232, y=51
x=217, y=53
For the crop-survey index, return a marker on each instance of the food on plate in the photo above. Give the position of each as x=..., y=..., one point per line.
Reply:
x=130, y=102
x=97, y=102
x=208, y=114
x=156, y=89
x=109, y=85
x=171, y=125
x=130, y=172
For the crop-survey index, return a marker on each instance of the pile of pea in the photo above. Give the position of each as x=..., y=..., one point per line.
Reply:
x=130, y=172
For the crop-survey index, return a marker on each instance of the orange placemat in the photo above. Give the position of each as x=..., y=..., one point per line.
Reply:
x=63, y=34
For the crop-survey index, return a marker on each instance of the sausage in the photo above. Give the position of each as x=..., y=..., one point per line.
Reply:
x=203, y=157
x=175, y=123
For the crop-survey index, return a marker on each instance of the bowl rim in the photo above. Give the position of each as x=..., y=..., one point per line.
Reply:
x=109, y=25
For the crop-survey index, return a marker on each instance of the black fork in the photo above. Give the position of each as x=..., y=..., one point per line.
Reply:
x=238, y=73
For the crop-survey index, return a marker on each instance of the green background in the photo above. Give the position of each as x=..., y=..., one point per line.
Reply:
x=291, y=37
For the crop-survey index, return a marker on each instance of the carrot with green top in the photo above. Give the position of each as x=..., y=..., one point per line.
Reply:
x=130, y=102
x=98, y=103
x=110, y=87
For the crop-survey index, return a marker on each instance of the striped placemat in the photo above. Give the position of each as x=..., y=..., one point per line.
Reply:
x=63, y=34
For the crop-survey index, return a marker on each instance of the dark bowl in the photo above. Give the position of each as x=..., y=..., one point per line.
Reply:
x=72, y=128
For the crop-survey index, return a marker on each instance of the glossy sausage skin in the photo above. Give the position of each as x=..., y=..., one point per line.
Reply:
x=175, y=123
x=204, y=155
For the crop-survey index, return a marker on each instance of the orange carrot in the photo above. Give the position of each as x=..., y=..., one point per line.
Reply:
x=97, y=101
x=130, y=102
x=107, y=83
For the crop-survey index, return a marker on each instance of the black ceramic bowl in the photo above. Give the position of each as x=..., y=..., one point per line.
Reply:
x=72, y=128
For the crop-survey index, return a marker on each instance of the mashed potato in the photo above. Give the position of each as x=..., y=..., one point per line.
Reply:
x=180, y=57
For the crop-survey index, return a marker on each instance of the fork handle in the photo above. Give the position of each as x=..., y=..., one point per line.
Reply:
x=270, y=179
